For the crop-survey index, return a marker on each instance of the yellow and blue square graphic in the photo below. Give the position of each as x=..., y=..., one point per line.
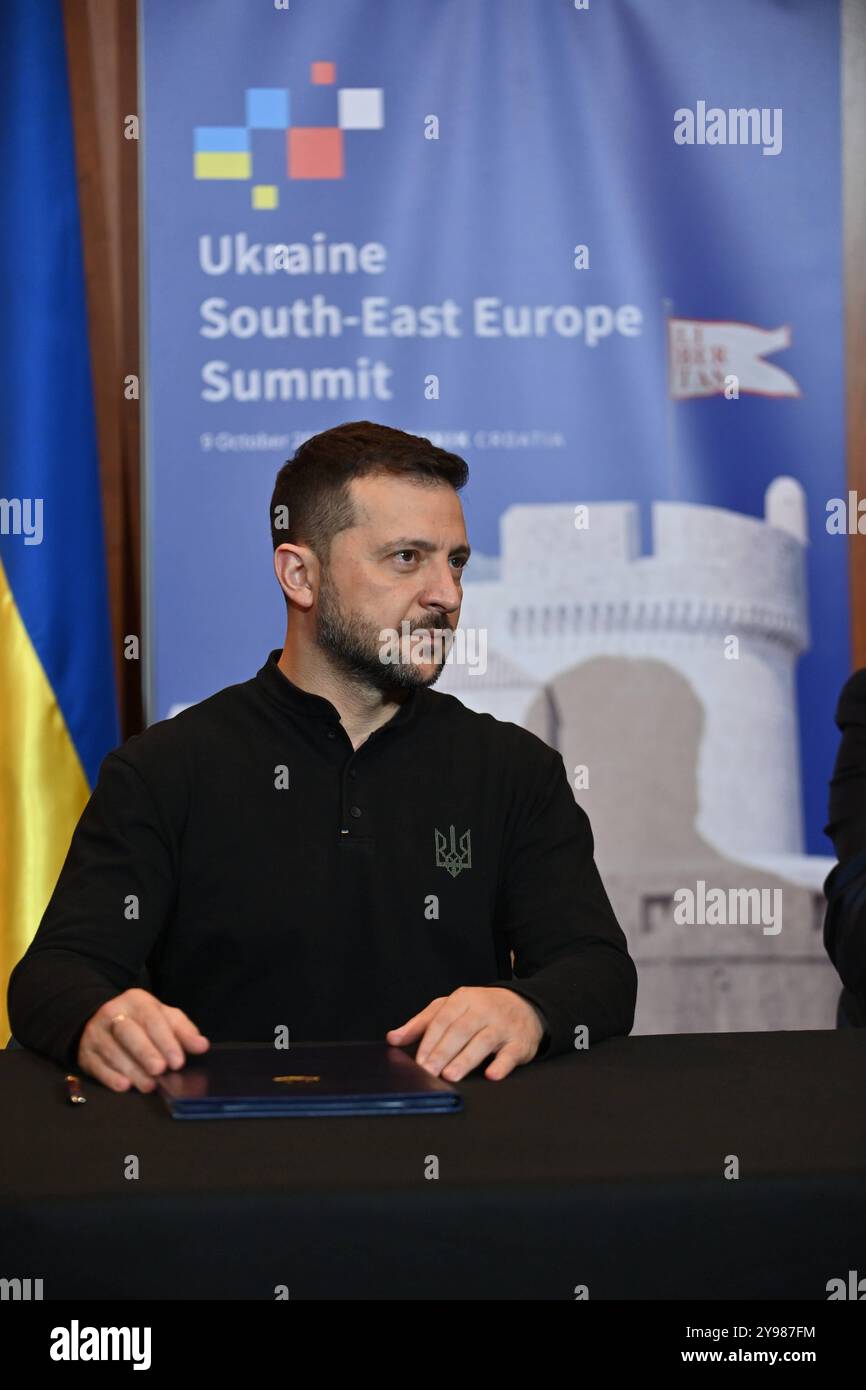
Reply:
x=223, y=152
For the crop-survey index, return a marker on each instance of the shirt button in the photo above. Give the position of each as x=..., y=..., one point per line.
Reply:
x=332, y=733
x=352, y=772
x=354, y=810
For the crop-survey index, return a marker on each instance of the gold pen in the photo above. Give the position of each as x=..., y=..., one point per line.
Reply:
x=73, y=1090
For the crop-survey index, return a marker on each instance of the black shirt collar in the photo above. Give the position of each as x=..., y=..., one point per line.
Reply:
x=302, y=702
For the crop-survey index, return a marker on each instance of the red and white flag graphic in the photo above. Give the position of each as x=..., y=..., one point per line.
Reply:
x=705, y=354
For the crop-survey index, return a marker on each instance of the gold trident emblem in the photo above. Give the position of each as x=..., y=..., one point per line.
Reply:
x=447, y=855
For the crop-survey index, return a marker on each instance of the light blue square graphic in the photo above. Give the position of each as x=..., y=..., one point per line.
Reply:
x=268, y=108
x=221, y=139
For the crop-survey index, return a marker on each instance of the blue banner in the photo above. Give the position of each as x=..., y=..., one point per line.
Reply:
x=593, y=248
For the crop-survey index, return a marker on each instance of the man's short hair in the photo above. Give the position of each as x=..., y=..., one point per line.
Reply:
x=311, y=500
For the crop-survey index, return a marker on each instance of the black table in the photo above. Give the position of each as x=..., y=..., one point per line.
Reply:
x=603, y=1168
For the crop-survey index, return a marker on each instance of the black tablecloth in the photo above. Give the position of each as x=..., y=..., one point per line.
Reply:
x=604, y=1169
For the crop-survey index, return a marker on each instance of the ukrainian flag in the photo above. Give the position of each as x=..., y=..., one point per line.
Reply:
x=222, y=152
x=58, y=711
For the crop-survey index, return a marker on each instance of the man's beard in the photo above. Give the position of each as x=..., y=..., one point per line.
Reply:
x=353, y=645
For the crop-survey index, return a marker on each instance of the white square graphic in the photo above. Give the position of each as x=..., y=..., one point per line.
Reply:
x=360, y=108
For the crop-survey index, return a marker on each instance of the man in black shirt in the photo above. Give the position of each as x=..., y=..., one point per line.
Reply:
x=331, y=850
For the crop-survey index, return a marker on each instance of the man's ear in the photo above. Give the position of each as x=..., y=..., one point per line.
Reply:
x=297, y=571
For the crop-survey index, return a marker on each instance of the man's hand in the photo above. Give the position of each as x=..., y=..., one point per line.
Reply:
x=460, y=1030
x=133, y=1038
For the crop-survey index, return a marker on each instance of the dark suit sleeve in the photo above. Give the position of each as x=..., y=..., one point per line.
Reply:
x=845, y=922
x=846, y=825
x=845, y=885
x=111, y=901
x=571, y=959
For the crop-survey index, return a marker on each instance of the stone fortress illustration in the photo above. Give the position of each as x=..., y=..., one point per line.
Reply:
x=667, y=681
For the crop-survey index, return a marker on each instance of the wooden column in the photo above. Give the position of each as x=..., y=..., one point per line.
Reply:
x=101, y=44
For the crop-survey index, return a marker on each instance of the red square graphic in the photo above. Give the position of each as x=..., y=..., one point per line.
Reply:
x=323, y=72
x=315, y=152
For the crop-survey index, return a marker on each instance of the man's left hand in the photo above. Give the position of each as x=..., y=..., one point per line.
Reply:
x=459, y=1030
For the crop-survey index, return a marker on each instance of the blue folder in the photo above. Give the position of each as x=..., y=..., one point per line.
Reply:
x=366, y=1078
